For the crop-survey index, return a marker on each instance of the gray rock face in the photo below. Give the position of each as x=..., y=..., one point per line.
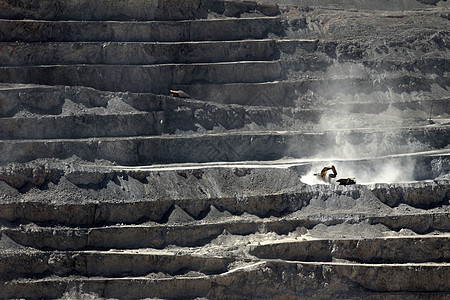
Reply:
x=111, y=188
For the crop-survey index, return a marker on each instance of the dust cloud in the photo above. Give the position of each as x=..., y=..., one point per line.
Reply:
x=366, y=128
x=391, y=171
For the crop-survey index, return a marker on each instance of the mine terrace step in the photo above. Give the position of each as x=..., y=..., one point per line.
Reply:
x=120, y=195
x=136, y=10
x=121, y=263
x=117, y=263
x=130, y=288
x=321, y=91
x=148, y=180
x=49, y=100
x=42, y=109
x=426, y=248
x=151, y=31
x=293, y=278
x=309, y=59
x=82, y=126
x=178, y=122
x=113, y=53
x=275, y=100
x=177, y=115
x=231, y=146
x=200, y=233
x=148, y=78
x=373, y=277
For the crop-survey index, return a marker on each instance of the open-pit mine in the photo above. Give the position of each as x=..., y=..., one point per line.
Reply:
x=169, y=149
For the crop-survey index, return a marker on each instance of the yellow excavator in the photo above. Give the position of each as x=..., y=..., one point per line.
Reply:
x=328, y=178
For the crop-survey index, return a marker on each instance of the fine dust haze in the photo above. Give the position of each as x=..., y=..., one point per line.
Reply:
x=367, y=128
